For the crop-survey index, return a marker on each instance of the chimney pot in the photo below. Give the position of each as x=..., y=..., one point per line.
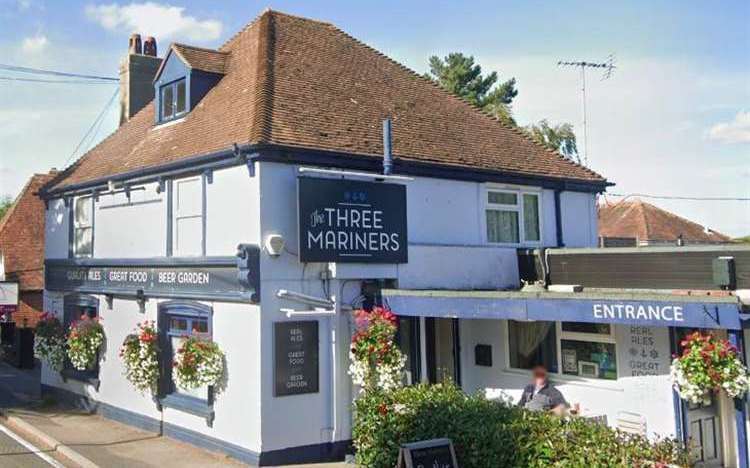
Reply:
x=134, y=46
x=149, y=46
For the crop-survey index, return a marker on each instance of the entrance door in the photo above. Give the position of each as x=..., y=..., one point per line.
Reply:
x=442, y=350
x=704, y=433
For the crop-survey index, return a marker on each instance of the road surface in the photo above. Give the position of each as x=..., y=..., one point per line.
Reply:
x=16, y=452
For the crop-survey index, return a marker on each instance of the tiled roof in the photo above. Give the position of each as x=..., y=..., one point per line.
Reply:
x=646, y=222
x=22, y=236
x=199, y=58
x=303, y=83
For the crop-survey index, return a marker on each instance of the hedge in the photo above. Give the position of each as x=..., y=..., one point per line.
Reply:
x=493, y=434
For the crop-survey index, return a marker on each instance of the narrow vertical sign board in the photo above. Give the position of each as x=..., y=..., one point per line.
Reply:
x=435, y=453
x=296, y=358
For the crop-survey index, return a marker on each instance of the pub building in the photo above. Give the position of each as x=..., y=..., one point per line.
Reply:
x=294, y=174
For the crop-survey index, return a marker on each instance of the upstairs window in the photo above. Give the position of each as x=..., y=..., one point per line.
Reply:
x=83, y=227
x=173, y=100
x=512, y=217
x=188, y=225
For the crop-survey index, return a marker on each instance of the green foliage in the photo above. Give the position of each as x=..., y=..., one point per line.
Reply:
x=459, y=75
x=742, y=240
x=5, y=203
x=488, y=434
x=560, y=138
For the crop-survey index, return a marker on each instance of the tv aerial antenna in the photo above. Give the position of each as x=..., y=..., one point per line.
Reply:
x=608, y=67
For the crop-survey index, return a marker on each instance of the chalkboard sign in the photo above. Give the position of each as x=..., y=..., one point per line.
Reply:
x=435, y=453
x=351, y=221
x=296, y=358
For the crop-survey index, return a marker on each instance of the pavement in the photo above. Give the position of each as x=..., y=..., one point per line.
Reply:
x=67, y=437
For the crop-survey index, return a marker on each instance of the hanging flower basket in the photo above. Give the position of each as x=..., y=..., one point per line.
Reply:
x=49, y=341
x=85, y=338
x=140, y=355
x=708, y=364
x=376, y=361
x=198, y=362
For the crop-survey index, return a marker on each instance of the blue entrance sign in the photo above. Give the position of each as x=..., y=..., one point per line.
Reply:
x=693, y=312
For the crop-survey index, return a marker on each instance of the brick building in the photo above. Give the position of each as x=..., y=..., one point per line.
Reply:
x=22, y=249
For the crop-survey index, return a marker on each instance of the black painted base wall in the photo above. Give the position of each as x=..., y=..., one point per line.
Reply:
x=317, y=453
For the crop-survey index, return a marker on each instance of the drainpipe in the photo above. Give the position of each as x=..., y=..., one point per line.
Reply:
x=736, y=337
x=558, y=219
x=387, y=156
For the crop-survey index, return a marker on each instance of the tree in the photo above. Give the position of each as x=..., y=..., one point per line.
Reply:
x=5, y=203
x=459, y=75
x=558, y=138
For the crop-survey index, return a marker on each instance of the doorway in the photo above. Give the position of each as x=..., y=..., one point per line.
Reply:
x=443, y=350
x=704, y=433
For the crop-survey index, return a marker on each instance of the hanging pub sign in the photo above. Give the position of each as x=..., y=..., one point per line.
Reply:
x=435, y=453
x=8, y=299
x=296, y=359
x=351, y=221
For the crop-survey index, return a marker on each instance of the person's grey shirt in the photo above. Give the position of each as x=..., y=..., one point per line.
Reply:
x=547, y=398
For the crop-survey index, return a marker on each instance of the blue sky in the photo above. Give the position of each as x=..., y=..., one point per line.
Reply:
x=674, y=119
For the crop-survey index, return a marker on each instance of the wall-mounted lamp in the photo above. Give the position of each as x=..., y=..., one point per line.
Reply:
x=140, y=298
x=274, y=244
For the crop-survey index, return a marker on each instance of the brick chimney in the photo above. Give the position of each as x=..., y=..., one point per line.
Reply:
x=137, y=71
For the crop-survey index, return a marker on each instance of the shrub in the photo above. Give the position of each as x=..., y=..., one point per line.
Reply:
x=492, y=434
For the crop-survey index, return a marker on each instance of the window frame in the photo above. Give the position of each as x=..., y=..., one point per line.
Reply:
x=173, y=85
x=75, y=226
x=168, y=394
x=175, y=215
x=518, y=208
x=561, y=335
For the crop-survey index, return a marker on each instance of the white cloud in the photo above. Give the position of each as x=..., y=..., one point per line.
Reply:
x=34, y=44
x=735, y=131
x=162, y=21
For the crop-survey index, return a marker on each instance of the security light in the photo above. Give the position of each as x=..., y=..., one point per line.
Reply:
x=274, y=244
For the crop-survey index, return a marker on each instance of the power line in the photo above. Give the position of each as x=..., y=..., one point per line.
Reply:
x=91, y=128
x=675, y=197
x=41, y=80
x=41, y=71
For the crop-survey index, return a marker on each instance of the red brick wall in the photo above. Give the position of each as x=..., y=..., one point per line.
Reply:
x=30, y=306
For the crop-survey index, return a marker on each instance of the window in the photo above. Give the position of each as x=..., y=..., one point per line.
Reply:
x=80, y=307
x=570, y=348
x=179, y=321
x=173, y=100
x=408, y=338
x=532, y=344
x=188, y=228
x=83, y=227
x=512, y=217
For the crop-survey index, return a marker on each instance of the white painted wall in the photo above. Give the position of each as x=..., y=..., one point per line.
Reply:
x=131, y=228
x=579, y=221
x=56, y=230
x=650, y=396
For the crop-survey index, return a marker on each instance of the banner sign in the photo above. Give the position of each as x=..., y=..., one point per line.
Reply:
x=296, y=357
x=648, y=312
x=351, y=221
x=204, y=278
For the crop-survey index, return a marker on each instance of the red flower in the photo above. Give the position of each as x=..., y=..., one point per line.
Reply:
x=383, y=409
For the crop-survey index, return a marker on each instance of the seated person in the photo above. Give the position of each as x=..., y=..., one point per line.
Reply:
x=541, y=395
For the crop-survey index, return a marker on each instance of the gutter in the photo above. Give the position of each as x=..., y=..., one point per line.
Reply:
x=299, y=155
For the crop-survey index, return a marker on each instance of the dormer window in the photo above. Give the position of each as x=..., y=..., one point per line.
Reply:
x=173, y=100
x=184, y=77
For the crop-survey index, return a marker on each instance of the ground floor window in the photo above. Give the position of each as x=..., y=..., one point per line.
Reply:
x=179, y=321
x=408, y=338
x=570, y=348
